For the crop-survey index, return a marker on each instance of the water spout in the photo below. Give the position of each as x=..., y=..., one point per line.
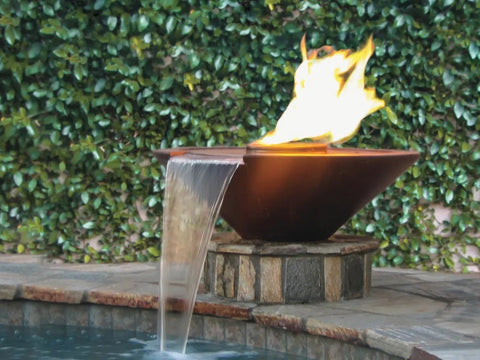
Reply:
x=195, y=187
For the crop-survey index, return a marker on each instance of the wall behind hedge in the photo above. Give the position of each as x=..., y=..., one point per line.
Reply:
x=89, y=88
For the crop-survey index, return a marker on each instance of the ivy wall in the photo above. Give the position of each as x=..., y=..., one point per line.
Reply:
x=89, y=88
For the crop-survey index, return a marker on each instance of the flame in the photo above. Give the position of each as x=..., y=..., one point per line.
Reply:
x=330, y=99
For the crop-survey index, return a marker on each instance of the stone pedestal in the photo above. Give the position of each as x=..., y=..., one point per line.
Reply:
x=289, y=273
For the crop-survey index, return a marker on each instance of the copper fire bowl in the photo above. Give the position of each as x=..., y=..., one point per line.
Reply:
x=300, y=192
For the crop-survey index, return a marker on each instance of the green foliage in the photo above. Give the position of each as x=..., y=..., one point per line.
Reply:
x=89, y=88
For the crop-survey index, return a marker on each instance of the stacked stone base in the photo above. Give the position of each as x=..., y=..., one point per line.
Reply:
x=289, y=273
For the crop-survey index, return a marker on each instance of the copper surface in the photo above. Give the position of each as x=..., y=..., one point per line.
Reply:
x=287, y=148
x=292, y=195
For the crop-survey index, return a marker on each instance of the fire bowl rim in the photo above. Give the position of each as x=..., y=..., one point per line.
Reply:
x=163, y=155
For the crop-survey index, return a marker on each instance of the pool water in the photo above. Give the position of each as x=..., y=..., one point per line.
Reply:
x=60, y=342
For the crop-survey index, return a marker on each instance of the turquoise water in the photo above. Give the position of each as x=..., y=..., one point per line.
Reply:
x=60, y=342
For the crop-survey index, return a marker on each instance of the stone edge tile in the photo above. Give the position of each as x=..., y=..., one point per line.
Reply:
x=414, y=347
x=235, y=331
x=437, y=352
x=332, y=273
x=389, y=345
x=255, y=335
x=104, y=297
x=297, y=344
x=317, y=327
x=276, y=339
x=51, y=294
x=11, y=313
x=224, y=310
x=214, y=328
x=291, y=323
x=9, y=291
x=420, y=354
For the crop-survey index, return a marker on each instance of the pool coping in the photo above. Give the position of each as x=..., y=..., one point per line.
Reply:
x=409, y=314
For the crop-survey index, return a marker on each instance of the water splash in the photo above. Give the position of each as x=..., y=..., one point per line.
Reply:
x=195, y=187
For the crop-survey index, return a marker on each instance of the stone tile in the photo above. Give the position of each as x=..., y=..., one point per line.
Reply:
x=235, y=331
x=384, y=277
x=281, y=249
x=367, y=273
x=462, y=317
x=246, y=279
x=56, y=314
x=22, y=259
x=447, y=352
x=349, y=351
x=8, y=291
x=123, y=318
x=333, y=331
x=66, y=272
x=255, y=335
x=245, y=249
x=39, y=314
x=310, y=271
x=11, y=281
x=146, y=321
x=426, y=276
x=100, y=316
x=276, y=339
x=76, y=315
x=27, y=269
x=393, y=302
x=135, y=295
x=57, y=290
x=209, y=272
x=343, y=245
x=301, y=310
x=333, y=349
x=361, y=352
x=297, y=344
x=278, y=320
x=338, y=244
x=229, y=273
x=11, y=313
x=470, y=328
x=214, y=328
x=33, y=314
x=401, y=341
x=271, y=280
x=333, y=278
x=219, y=265
x=101, y=271
x=207, y=304
x=441, y=291
x=384, y=356
x=353, y=276
x=315, y=347
x=357, y=352
x=226, y=239
x=356, y=322
x=196, y=327
x=398, y=271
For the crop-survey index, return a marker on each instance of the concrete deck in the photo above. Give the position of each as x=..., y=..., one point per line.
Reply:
x=409, y=314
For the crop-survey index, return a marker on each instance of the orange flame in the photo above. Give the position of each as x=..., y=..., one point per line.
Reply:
x=330, y=99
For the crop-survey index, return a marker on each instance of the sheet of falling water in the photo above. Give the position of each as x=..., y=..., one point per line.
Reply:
x=194, y=192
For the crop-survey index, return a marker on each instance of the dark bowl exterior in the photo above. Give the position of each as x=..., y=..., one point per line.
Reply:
x=301, y=196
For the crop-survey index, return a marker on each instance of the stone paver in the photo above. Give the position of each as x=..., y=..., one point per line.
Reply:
x=408, y=313
x=401, y=341
x=447, y=352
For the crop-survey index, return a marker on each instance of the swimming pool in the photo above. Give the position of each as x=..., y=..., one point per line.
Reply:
x=65, y=342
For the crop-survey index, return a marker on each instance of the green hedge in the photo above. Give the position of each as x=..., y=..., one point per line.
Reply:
x=89, y=88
